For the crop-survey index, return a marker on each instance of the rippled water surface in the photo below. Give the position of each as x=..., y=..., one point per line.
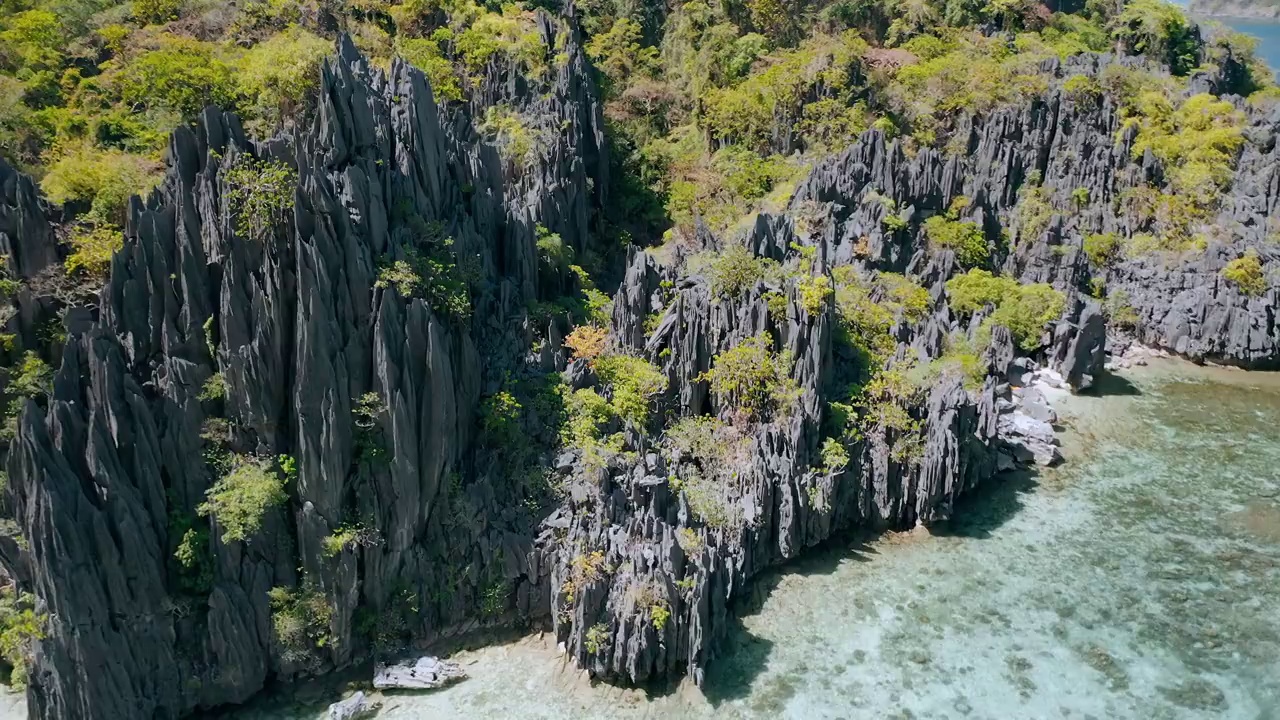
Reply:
x=1140, y=580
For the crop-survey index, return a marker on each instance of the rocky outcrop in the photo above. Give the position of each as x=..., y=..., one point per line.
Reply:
x=415, y=431
x=107, y=476
x=1072, y=144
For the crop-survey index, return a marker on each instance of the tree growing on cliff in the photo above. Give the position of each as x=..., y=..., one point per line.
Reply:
x=240, y=500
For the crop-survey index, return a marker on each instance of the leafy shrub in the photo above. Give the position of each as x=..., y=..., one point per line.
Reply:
x=194, y=557
x=1084, y=90
x=512, y=33
x=1159, y=30
x=966, y=239
x=20, y=627
x=215, y=388
x=300, y=619
x=690, y=541
x=659, y=614
x=431, y=272
x=1246, y=273
x=279, y=75
x=834, y=455
x=552, y=249
x=814, y=291
x=1119, y=311
x=509, y=131
x=587, y=341
x=596, y=638
x=752, y=378
x=240, y=500
x=1027, y=311
x=259, y=194
x=619, y=54
x=976, y=289
x=633, y=383
x=349, y=535
x=710, y=501
x=500, y=418
x=154, y=12
x=181, y=75
x=105, y=179
x=92, y=248
x=426, y=55
x=1023, y=309
x=734, y=271
x=1197, y=142
x=1103, y=249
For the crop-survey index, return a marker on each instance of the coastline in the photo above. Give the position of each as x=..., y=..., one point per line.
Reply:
x=1234, y=11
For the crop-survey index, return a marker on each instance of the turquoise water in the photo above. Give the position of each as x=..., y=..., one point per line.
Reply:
x=1140, y=580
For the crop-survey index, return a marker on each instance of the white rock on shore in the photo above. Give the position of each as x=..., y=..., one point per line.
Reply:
x=425, y=673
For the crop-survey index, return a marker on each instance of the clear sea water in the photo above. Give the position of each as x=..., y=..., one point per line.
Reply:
x=1139, y=580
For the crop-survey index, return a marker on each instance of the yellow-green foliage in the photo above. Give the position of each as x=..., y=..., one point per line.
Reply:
x=102, y=178
x=814, y=291
x=966, y=239
x=259, y=194
x=1159, y=30
x=1197, y=140
x=92, y=248
x=20, y=627
x=865, y=321
x=276, y=77
x=834, y=455
x=512, y=33
x=426, y=55
x=300, y=619
x=752, y=378
x=1119, y=311
x=746, y=112
x=1246, y=273
x=1027, y=311
x=619, y=54
x=734, y=270
x=1103, y=249
x=1023, y=309
x=884, y=405
x=974, y=73
x=155, y=11
x=595, y=639
x=509, y=132
x=634, y=383
x=976, y=289
x=240, y=500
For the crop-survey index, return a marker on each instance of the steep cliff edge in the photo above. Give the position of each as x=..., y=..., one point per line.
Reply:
x=367, y=323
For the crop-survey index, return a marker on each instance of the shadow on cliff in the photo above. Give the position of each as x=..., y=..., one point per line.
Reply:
x=743, y=656
x=991, y=505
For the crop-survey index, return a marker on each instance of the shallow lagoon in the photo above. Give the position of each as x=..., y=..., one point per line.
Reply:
x=1139, y=580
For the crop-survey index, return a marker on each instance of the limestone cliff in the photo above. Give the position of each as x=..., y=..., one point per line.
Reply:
x=107, y=476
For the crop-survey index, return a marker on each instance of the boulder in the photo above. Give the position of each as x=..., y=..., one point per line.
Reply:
x=425, y=673
x=357, y=706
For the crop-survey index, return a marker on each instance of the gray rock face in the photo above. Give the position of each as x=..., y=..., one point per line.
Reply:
x=425, y=673
x=107, y=477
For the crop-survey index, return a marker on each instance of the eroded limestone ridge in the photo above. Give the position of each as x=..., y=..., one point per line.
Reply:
x=324, y=406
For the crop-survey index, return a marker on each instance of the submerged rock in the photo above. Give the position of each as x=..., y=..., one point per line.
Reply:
x=425, y=673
